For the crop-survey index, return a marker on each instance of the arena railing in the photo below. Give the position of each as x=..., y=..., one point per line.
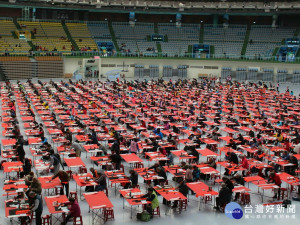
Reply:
x=84, y=54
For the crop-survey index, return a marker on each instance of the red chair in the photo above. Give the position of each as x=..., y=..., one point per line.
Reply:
x=83, y=170
x=156, y=211
x=215, y=177
x=183, y=204
x=46, y=220
x=283, y=193
x=207, y=199
x=139, y=165
x=73, y=194
x=245, y=198
x=58, y=190
x=77, y=220
x=108, y=214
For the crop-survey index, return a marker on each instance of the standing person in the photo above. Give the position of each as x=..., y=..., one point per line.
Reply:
x=116, y=159
x=134, y=147
x=36, y=207
x=77, y=147
x=20, y=152
x=55, y=162
x=244, y=164
x=64, y=179
x=74, y=210
x=274, y=178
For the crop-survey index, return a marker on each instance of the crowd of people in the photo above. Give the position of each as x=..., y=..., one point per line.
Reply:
x=187, y=103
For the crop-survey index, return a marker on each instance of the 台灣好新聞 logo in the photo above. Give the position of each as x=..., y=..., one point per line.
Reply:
x=233, y=211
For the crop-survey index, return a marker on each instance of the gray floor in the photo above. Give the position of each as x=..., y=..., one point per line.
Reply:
x=206, y=215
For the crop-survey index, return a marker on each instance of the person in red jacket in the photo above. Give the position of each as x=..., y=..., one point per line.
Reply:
x=74, y=210
x=244, y=164
x=274, y=178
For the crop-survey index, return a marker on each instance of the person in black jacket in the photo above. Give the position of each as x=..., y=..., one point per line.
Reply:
x=20, y=152
x=183, y=189
x=133, y=178
x=116, y=159
x=232, y=158
x=232, y=144
x=116, y=147
x=160, y=172
x=224, y=196
x=228, y=183
x=26, y=167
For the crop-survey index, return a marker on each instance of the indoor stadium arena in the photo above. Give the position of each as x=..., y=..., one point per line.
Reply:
x=132, y=111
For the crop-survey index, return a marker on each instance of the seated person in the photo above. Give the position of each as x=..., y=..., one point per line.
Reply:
x=151, y=197
x=133, y=178
x=74, y=210
x=183, y=189
x=101, y=182
x=161, y=173
x=237, y=180
x=232, y=158
x=224, y=196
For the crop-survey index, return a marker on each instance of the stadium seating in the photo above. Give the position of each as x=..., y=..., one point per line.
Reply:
x=133, y=39
x=178, y=38
x=265, y=39
x=82, y=36
x=7, y=41
x=227, y=41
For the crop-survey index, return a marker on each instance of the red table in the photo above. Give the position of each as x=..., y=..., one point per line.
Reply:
x=98, y=203
x=170, y=194
x=48, y=184
x=133, y=197
x=74, y=162
x=131, y=158
x=56, y=208
x=8, y=142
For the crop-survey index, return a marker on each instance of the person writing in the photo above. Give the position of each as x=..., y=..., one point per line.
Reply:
x=37, y=207
x=64, y=179
x=274, y=178
x=74, y=210
x=151, y=197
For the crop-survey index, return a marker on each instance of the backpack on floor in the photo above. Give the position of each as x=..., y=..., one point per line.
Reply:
x=144, y=216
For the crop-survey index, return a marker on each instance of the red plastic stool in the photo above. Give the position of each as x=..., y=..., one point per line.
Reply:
x=46, y=220
x=58, y=190
x=108, y=214
x=156, y=211
x=73, y=194
x=138, y=165
x=283, y=193
x=83, y=170
x=245, y=198
x=77, y=220
x=183, y=204
x=207, y=199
